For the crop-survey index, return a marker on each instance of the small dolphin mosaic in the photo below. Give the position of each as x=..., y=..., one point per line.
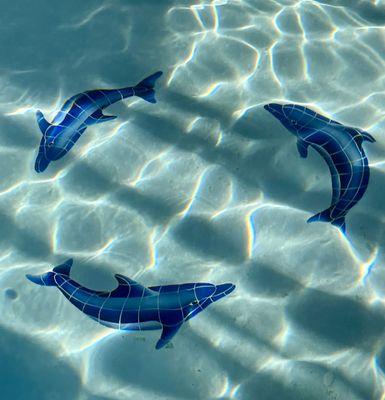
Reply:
x=79, y=112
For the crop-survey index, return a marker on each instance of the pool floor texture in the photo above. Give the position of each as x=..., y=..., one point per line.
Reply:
x=203, y=186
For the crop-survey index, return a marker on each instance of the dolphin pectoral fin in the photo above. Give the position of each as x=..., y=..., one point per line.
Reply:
x=43, y=123
x=97, y=117
x=167, y=334
x=302, y=148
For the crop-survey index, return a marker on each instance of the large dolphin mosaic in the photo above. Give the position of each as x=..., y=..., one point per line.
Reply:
x=341, y=148
x=79, y=112
x=132, y=306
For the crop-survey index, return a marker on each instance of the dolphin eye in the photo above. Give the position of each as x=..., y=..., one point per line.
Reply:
x=294, y=122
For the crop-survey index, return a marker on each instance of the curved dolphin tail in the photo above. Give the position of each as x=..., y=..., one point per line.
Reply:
x=48, y=279
x=324, y=216
x=145, y=88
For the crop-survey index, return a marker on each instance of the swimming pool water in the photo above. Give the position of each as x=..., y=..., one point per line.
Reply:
x=204, y=186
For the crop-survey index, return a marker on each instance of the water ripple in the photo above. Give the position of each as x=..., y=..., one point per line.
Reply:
x=202, y=186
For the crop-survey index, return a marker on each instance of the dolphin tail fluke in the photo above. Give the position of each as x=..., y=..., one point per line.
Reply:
x=48, y=279
x=65, y=268
x=340, y=224
x=324, y=216
x=145, y=88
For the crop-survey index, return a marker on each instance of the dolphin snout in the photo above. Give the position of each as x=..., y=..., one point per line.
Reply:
x=223, y=290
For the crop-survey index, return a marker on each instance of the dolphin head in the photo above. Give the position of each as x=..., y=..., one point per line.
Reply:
x=47, y=152
x=207, y=291
x=52, y=147
x=293, y=117
x=222, y=290
x=204, y=294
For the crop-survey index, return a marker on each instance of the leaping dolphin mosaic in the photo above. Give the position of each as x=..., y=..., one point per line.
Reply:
x=132, y=306
x=341, y=148
x=79, y=112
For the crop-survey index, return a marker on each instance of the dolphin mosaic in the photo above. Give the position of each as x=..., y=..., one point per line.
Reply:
x=79, y=112
x=132, y=306
x=341, y=148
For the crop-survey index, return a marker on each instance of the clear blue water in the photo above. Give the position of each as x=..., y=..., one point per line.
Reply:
x=203, y=186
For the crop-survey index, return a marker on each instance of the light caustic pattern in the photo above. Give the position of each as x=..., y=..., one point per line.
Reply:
x=204, y=186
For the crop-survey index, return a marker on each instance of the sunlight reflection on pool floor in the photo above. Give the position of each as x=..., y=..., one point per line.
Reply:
x=203, y=186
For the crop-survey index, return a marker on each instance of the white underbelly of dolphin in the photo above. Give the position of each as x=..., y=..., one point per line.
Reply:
x=141, y=326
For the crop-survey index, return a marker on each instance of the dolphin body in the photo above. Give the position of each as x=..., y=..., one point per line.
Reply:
x=341, y=148
x=131, y=306
x=79, y=112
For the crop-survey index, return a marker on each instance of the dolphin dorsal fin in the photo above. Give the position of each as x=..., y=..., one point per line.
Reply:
x=360, y=135
x=43, y=123
x=64, y=268
x=129, y=288
x=367, y=136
